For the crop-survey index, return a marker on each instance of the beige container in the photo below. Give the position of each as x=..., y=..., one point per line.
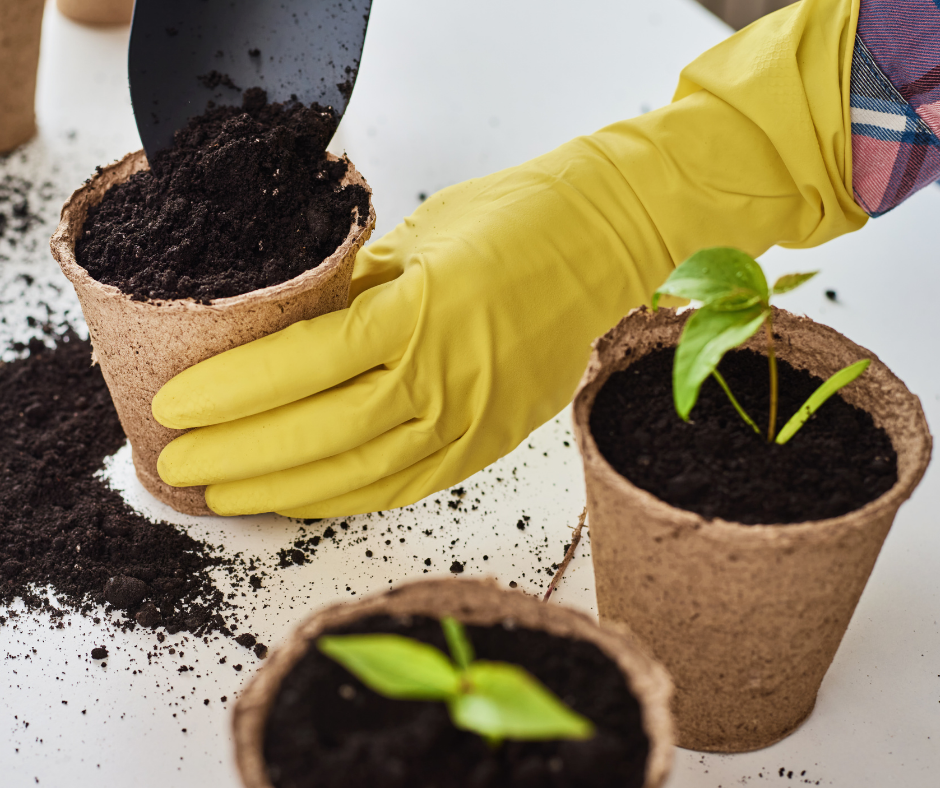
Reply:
x=140, y=345
x=476, y=603
x=20, y=29
x=97, y=12
x=747, y=619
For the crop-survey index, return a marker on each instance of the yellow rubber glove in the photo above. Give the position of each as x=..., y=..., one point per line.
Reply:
x=470, y=323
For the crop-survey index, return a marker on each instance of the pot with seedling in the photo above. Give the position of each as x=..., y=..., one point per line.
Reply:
x=454, y=682
x=736, y=550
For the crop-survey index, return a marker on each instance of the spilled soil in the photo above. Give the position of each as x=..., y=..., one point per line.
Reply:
x=64, y=527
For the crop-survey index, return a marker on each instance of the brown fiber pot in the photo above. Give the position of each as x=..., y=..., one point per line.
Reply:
x=746, y=619
x=97, y=12
x=473, y=602
x=20, y=29
x=140, y=345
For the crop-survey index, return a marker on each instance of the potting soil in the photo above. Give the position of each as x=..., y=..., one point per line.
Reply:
x=326, y=729
x=16, y=214
x=717, y=466
x=244, y=199
x=63, y=527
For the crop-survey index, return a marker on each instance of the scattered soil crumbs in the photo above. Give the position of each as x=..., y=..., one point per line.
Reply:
x=17, y=215
x=715, y=465
x=327, y=729
x=245, y=199
x=65, y=528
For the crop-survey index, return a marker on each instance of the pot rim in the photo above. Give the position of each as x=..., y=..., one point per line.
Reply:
x=75, y=210
x=477, y=601
x=597, y=374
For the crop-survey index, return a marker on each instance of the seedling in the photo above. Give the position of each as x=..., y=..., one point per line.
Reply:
x=496, y=700
x=735, y=303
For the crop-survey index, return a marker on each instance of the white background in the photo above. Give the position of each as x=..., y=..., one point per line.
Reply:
x=447, y=91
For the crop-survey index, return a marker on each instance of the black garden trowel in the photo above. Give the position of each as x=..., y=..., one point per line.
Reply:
x=185, y=53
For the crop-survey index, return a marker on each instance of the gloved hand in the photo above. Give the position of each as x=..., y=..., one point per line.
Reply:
x=470, y=323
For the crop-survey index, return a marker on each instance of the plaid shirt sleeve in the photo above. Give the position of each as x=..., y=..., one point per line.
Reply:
x=895, y=98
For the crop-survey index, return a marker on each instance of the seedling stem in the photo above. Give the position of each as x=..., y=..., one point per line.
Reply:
x=772, y=362
x=737, y=405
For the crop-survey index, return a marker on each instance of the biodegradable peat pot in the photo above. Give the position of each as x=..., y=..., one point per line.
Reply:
x=97, y=12
x=140, y=345
x=475, y=603
x=746, y=618
x=20, y=28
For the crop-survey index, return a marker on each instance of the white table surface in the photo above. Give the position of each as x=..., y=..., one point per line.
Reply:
x=447, y=91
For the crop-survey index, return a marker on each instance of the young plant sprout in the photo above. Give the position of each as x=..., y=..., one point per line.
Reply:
x=735, y=303
x=496, y=700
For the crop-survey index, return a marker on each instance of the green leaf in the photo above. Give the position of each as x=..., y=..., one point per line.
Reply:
x=712, y=274
x=791, y=281
x=394, y=666
x=837, y=381
x=506, y=702
x=457, y=641
x=707, y=336
x=736, y=302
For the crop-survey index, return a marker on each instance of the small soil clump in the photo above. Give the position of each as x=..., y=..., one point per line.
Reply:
x=717, y=466
x=327, y=729
x=246, y=198
x=63, y=527
x=16, y=213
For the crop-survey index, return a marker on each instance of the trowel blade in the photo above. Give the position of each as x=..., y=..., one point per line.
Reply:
x=181, y=49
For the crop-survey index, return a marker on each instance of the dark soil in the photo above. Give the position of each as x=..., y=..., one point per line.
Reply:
x=17, y=215
x=60, y=526
x=244, y=199
x=328, y=730
x=717, y=466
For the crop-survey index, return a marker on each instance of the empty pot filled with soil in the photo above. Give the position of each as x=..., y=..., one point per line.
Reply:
x=306, y=721
x=20, y=29
x=737, y=561
x=244, y=227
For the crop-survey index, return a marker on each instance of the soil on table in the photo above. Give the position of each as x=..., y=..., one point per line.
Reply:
x=246, y=198
x=717, y=466
x=62, y=526
x=326, y=729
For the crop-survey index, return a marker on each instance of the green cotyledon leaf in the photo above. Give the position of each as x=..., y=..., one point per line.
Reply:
x=720, y=272
x=837, y=381
x=395, y=666
x=503, y=701
x=707, y=336
x=791, y=281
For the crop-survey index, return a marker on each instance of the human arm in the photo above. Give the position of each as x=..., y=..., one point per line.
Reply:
x=470, y=323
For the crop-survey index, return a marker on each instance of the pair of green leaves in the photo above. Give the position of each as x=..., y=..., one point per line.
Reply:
x=496, y=700
x=735, y=303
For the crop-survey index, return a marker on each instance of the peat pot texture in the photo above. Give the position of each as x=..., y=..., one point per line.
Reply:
x=140, y=345
x=474, y=603
x=20, y=28
x=746, y=618
x=97, y=12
